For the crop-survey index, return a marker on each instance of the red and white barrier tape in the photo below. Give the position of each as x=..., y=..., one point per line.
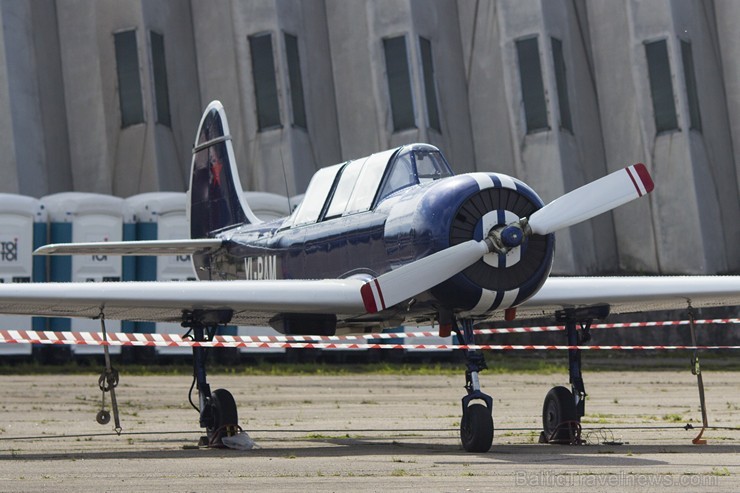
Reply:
x=22, y=336
x=175, y=340
x=664, y=323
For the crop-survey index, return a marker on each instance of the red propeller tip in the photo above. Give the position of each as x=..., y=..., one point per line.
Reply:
x=645, y=178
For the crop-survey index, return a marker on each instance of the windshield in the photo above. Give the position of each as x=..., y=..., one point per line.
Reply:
x=412, y=167
x=430, y=165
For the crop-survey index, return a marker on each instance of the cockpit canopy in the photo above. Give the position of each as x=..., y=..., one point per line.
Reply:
x=361, y=184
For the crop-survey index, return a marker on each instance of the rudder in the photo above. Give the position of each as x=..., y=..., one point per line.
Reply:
x=215, y=198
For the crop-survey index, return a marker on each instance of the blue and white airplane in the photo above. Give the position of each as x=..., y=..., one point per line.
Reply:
x=394, y=238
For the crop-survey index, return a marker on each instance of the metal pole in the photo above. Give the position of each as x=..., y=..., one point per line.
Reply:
x=110, y=376
x=696, y=370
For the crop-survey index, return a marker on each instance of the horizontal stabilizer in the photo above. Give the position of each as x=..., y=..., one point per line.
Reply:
x=153, y=247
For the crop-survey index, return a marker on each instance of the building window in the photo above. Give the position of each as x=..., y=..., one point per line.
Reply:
x=533, y=90
x=399, y=83
x=161, y=91
x=430, y=89
x=296, y=81
x=692, y=95
x=562, y=84
x=129, y=83
x=661, y=86
x=265, y=83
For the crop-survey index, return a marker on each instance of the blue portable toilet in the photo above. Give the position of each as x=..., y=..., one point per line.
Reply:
x=23, y=228
x=86, y=217
x=162, y=216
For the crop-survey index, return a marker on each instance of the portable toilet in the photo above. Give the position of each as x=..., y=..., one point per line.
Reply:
x=268, y=206
x=86, y=217
x=161, y=216
x=23, y=228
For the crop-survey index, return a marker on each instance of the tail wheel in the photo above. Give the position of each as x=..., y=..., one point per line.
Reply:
x=476, y=428
x=559, y=416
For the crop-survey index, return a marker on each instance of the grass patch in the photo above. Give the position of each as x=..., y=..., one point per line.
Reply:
x=286, y=369
x=498, y=364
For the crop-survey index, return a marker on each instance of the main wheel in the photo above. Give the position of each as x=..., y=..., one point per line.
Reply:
x=559, y=409
x=223, y=410
x=476, y=428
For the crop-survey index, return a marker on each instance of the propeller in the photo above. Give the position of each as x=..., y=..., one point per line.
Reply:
x=581, y=204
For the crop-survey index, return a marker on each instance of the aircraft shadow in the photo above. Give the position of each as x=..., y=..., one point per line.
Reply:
x=593, y=455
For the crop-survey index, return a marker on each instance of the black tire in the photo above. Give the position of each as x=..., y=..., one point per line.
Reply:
x=476, y=428
x=223, y=410
x=103, y=417
x=559, y=408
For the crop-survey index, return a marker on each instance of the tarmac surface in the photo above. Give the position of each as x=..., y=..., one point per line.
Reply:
x=369, y=433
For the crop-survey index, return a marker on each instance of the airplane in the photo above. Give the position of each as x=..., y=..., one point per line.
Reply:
x=390, y=239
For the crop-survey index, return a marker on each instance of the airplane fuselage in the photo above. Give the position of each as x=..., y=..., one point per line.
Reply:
x=412, y=223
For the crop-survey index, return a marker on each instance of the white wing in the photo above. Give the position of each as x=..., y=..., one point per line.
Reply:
x=633, y=294
x=252, y=302
x=256, y=302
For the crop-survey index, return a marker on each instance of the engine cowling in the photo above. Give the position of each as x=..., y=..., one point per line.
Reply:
x=476, y=204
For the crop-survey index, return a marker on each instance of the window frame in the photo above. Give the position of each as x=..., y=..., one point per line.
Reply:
x=295, y=83
x=161, y=101
x=268, y=117
x=400, y=121
x=532, y=120
x=690, y=83
x=561, y=84
x=430, y=93
x=136, y=115
x=665, y=117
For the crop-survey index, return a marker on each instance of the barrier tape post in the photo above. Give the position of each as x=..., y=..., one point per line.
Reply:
x=696, y=370
x=108, y=381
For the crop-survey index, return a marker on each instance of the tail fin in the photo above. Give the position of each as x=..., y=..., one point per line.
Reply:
x=215, y=199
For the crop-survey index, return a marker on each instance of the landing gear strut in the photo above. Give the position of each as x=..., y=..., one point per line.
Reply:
x=476, y=425
x=218, y=414
x=563, y=408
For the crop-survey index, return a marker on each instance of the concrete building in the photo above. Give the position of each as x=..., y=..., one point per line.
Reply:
x=104, y=96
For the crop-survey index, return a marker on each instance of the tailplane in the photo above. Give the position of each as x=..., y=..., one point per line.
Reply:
x=215, y=199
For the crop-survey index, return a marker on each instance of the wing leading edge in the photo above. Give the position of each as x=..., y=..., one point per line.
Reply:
x=153, y=247
x=250, y=301
x=633, y=294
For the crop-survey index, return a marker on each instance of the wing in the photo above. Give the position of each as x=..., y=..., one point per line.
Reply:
x=252, y=302
x=633, y=294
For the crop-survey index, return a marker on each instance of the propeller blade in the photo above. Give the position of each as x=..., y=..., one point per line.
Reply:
x=592, y=199
x=416, y=277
